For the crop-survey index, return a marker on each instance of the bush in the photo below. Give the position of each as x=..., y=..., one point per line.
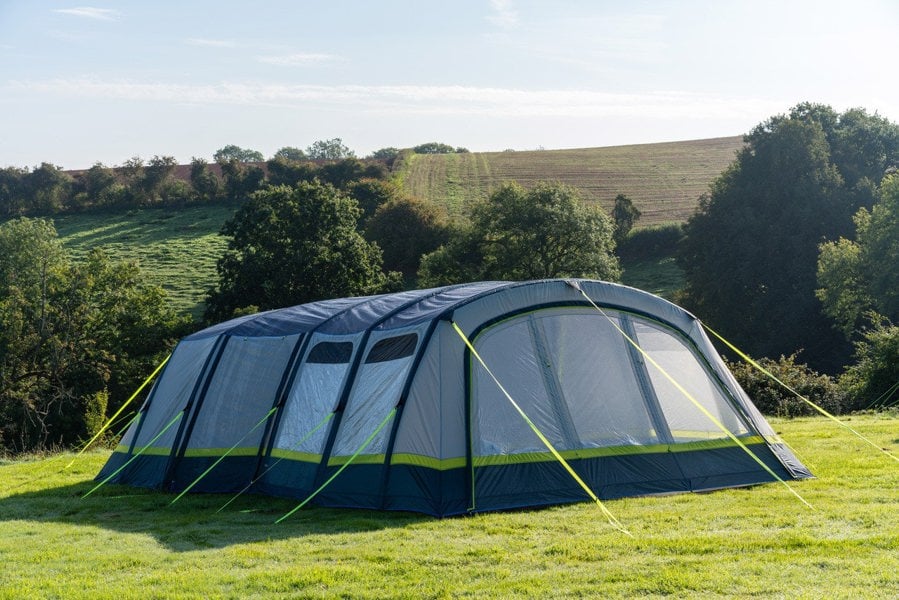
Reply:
x=773, y=399
x=658, y=241
x=873, y=381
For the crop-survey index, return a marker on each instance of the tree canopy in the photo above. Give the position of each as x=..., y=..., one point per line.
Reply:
x=438, y=148
x=291, y=245
x=751, y=251
x=860, y=276
x=625, y=215
x=233, y=152
x=519, y=234
x=75, y=337
x=333, y=149
x=406, y=229
x=290, y=153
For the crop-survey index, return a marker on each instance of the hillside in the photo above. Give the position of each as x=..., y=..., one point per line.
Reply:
x=176, y=249
x=663, y=180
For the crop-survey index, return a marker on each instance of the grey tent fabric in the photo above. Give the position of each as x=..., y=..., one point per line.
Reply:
x=384, y=388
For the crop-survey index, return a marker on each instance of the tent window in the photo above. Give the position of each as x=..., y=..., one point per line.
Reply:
x=393, y=348
x=376, y=391
x=331, y=353
x=314, y=395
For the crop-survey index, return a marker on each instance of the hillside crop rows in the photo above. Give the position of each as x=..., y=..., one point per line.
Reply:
x=663, y=180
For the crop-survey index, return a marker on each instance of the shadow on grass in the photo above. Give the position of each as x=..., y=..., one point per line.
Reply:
x=194, y=522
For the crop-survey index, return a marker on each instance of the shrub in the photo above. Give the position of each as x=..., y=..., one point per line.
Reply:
x=658, y=241
x=873, y=381
x=773, y=399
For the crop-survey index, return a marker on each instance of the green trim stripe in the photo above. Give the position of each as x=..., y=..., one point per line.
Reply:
x=447, y=464
x=217, y=452
x=589, y=453
x=359, y=459
x=428, y=462
x=283, y=454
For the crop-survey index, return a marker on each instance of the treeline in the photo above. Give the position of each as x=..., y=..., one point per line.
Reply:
x=234, y=174
x=48, y=190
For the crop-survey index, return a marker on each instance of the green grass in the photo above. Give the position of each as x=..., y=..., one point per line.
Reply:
x=659, y=276
x=663, y=180
x=755, y=542
x=176, y=249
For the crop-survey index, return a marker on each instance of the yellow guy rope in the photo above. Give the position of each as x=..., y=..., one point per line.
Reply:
x=756, y=365
x=695, y=402
x=612, y=520
x=118, y=412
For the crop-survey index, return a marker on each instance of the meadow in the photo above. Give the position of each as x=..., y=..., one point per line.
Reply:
x=754, y=542
x=176, y=249
x=663, y=180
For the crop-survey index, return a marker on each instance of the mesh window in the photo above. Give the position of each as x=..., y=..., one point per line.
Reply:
x=241, y=392
x=570, y=372
x=173, y=391
x=686, y=420
x=314, y=396
x=375, y=392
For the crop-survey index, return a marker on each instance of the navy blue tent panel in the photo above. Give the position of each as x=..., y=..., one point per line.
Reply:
x=384, y=391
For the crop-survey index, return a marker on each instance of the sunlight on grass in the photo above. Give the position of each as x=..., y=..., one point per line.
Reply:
x=758, y=541
x=177, y=249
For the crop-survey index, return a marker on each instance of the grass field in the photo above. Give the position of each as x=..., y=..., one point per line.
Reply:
x=755, y=542
x=175, y=248
x=663, y=180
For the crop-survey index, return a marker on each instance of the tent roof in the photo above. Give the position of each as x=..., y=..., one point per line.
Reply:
x=391, y=311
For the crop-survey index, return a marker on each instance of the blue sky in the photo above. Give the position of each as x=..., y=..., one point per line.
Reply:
x=85, y=81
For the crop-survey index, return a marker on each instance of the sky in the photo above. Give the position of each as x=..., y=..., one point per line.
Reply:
x=86, y=81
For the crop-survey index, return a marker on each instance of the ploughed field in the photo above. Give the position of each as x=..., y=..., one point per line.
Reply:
x=663, y=180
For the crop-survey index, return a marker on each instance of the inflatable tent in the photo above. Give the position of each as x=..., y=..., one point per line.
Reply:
x=446, y=401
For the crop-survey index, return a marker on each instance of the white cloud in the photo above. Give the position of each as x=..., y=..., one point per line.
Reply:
x=91, y=12
x=420, y=100
x=297, y=59
x=503, y=14
x=209, y=43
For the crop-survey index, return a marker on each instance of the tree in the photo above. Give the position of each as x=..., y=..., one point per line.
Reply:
x=240, y=180
x=291, y=245
x=332, y=149
x=47, y=189
x=156, y=175
x=406, y=229
x=385, y=154
x=859, y=278
x=12, y=194
x=434, y=148
x=343, y=172
x=99, y=183
x=236, y=153
x=751, y=251
x=544, y=232
x=290, y=153
x=282, y=171
x=625, y=215
x=75, y=337
x=372, y=193
x=207, y=186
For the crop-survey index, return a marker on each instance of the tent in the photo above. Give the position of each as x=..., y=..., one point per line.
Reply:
x=453, y=400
